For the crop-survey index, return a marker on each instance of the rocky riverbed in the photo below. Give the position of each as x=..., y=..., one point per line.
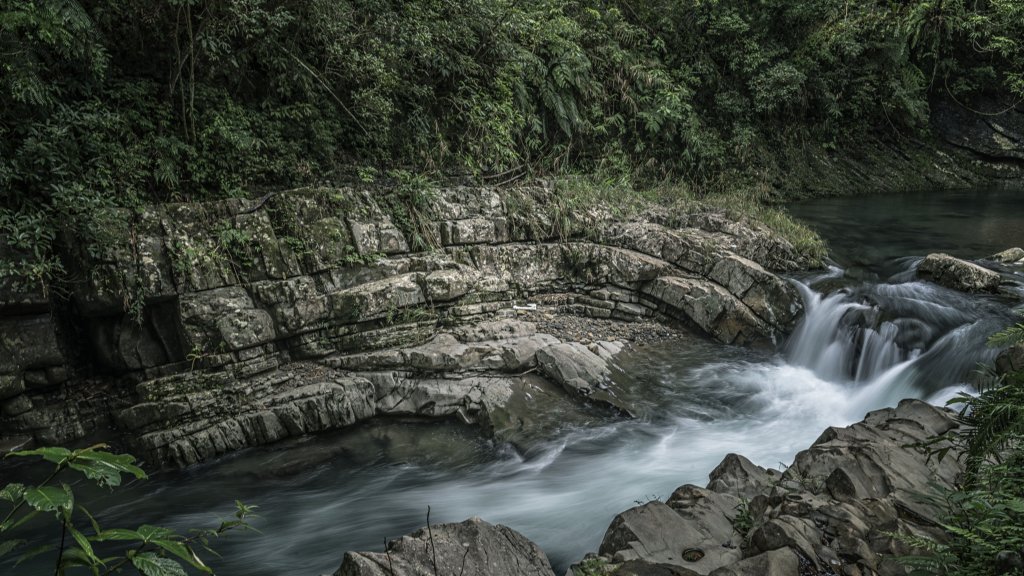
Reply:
x=839, y=509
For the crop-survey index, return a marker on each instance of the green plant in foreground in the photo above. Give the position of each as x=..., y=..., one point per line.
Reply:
x=147, y=550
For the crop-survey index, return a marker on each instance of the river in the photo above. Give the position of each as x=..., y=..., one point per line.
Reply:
x=878, y=337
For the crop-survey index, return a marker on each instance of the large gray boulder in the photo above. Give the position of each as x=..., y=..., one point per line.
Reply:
x=957, y=274
x=657, y=533
x=470, y=548
x=581, y=372
x=740, y=477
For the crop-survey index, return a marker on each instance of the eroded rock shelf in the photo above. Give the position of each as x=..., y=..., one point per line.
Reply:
x=229, y=324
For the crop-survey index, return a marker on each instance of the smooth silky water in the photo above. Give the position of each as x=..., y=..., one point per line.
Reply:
x=877, y=338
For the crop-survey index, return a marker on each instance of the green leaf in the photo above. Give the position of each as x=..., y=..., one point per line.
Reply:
x=149, y=564
x=12, y=492
x=184, y=552
x=92, y=520
x=77, y=557
x=105, y=468
x=122, y=463
x=118, y=534
x=84, y=544
x=50, y=454
x=103, y=475
x=150, y=533
x=48, y=498
x=6, y=546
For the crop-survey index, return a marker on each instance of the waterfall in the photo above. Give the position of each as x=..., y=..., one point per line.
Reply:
x=908, y=338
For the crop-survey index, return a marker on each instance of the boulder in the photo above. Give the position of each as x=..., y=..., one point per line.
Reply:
x=1009, y=360
x=1012, y=256
x=581, y=372
x=957, y=274
x=782, y=562
x=740, y=477
x=469, y=548
x=711, y=308
x=656, y=533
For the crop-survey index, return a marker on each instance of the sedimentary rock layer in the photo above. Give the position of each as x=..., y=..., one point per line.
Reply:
x=221, y=325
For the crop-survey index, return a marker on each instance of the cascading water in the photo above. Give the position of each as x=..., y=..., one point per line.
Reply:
x=895, y=340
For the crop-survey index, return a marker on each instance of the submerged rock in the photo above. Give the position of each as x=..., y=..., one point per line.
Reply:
x=470, y=548
x=957, y=274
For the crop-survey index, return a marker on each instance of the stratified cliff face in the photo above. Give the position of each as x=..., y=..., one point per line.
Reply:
x=221, y=325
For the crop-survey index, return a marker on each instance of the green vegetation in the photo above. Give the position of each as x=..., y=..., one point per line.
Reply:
x=985, y=521
x=106, y=105
x=82, y=544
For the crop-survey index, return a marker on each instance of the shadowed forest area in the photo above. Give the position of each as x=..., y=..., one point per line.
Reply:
x=106, y=104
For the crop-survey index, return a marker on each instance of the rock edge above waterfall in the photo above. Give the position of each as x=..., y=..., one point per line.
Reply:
x=834, y=511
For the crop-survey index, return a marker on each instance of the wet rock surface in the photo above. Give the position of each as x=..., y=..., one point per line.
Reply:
x=834, y=511
x=230, y=324
x=957, y=274
x=470, y=548
x=1012, y=256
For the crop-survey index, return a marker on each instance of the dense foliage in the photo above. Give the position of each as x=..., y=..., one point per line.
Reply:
x=106, y=104
x=83, y=546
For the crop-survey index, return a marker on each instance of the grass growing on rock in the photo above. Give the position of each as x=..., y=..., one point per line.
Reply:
x=621, y=199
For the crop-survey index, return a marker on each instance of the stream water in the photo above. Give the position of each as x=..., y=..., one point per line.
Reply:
x=878, y=337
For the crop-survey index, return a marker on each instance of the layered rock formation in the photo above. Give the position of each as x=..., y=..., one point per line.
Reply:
x=220, y=325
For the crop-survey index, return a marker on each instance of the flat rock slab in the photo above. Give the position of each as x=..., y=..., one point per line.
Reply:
x=470, y=548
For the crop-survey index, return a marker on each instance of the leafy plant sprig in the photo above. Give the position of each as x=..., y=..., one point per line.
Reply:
x=148, y=550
